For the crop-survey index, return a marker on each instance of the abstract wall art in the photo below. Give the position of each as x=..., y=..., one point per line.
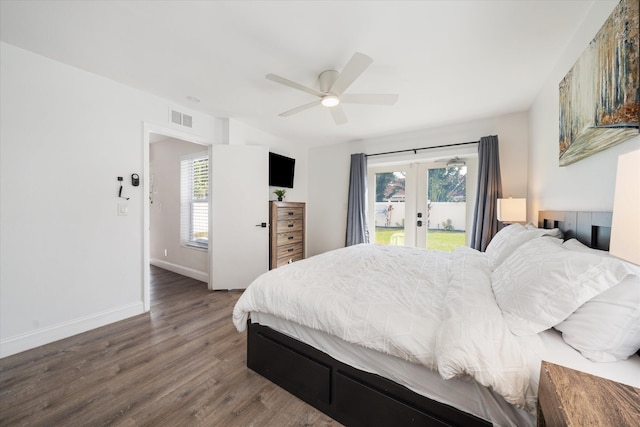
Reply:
x=600, y=95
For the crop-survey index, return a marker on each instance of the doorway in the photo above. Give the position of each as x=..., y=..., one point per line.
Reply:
x=155, y=133
x=178, y=207
x=422, y=204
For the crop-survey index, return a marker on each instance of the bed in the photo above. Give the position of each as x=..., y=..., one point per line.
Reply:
x=448, y=355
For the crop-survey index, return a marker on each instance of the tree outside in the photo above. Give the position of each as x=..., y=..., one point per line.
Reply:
x=389, y=184
x=448, y=184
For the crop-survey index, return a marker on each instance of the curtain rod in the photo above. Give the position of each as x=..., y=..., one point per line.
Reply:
x=415, y=150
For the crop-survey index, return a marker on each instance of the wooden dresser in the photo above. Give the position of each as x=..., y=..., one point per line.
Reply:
x=567, y=397
x=287, y=233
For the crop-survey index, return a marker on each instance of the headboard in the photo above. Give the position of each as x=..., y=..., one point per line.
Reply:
x=591, y=228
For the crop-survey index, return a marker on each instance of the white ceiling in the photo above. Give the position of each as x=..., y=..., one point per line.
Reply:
x=450, y=61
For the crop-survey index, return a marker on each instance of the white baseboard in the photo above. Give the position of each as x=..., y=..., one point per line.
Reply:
x=185, y=271
x=27, y=341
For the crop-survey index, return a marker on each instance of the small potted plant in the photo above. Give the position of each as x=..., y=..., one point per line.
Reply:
x=280, y=193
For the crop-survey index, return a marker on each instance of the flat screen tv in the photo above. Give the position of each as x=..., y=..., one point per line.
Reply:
x=281, y=170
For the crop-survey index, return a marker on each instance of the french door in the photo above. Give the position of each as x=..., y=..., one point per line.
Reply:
x=418, y=204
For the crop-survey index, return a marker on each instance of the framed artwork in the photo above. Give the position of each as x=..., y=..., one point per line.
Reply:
x=599, y=96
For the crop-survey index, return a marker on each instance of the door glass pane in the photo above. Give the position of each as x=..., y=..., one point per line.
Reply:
x=446, y=207
x=390, y=208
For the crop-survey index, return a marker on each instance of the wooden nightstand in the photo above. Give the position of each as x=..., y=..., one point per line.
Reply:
x=567, y=397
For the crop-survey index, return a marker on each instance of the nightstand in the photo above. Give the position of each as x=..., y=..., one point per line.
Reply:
x=567, y=397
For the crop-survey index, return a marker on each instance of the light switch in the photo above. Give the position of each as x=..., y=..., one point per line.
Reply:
x=123, y=209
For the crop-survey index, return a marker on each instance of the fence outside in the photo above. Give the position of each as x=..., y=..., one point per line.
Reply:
x=392, y=215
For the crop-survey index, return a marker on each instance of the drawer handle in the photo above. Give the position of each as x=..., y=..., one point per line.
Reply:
x=290, y=250
x=289, y=213
x=290, y=225
x=290, y=237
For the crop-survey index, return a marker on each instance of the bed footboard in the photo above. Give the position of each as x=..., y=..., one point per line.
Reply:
x=348, y=395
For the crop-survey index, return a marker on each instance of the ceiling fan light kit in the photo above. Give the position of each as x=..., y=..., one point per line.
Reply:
x=330, y=101
x=332, y=86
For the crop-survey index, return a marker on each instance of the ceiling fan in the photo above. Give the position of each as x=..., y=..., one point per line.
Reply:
x=456, y=162
x=332, y=86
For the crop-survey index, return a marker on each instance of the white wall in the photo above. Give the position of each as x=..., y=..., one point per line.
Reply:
x=329, y=168
x=585, y=185
x=513, y=129
x=164, y=159
x=240, y=133
x=69, y=262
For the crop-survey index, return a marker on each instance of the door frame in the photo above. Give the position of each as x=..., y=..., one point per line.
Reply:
x=417, y=187
x=149, y=128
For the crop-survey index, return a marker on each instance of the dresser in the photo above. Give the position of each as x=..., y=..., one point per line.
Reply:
x=567, y=397
x=287, y=233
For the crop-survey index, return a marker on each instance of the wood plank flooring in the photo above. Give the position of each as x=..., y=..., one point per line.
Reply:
x=182, y=364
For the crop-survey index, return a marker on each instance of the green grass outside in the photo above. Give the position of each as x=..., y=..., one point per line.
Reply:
x=436, y=239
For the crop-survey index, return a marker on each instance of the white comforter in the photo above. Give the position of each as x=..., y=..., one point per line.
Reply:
x=429, y=307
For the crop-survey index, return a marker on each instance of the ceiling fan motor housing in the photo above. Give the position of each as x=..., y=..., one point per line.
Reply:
x=326, y=80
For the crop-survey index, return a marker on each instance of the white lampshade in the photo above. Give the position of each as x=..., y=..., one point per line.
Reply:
x=512, y=210
x=625, y=225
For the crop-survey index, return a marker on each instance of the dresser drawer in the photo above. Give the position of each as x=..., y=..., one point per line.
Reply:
x=288, y=238
x=289, y=213
x=289, y=226
x=289, y=253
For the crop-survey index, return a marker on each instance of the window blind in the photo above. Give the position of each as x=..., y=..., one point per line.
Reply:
x=194, y=200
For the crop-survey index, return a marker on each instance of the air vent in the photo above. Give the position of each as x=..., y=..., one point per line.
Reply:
x=180, y=118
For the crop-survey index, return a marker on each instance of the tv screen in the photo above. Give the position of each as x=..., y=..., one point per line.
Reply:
x=281, y=170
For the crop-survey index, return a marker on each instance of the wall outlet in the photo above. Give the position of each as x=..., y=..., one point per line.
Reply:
x=123, y=209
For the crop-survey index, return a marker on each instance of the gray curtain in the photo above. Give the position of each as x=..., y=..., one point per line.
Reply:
x=357, y=231
x=485, y=217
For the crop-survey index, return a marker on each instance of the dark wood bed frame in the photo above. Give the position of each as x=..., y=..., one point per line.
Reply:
x=356, y=398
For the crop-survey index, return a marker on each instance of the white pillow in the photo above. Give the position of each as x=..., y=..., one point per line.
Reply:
x=576, y=245
x=607, y=327
x=553, y=232
x=507, y=240
x=541, y=284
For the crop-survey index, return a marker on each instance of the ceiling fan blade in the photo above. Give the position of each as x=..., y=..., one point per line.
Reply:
x=370, y=98
x=338, y=115
x=293, y=84
x=356, y=66
x=300, y=108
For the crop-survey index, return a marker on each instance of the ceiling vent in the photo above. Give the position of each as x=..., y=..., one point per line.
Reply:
x=181, y=119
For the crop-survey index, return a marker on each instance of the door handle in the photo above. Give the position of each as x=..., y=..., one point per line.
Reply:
x=262, y=224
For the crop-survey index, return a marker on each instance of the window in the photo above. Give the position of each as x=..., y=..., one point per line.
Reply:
x=194, y=200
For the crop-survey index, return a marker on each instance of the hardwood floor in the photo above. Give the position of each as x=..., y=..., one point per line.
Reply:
x=183, y=363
